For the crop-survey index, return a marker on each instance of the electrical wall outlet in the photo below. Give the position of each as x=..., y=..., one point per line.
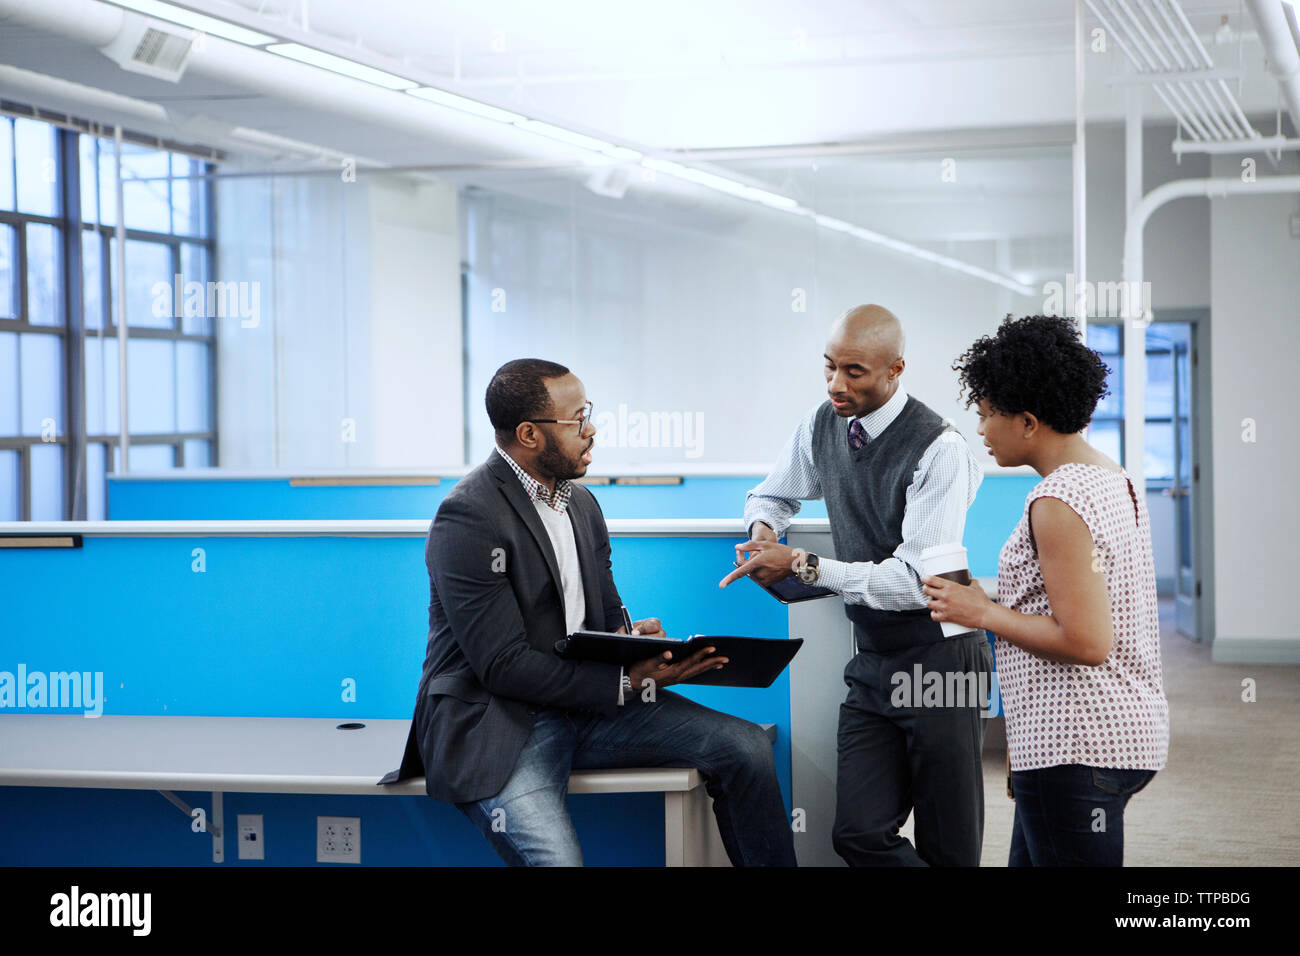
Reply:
x=252, y=844
x=338, y=839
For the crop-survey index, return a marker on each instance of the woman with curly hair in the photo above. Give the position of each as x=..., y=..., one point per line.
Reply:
x=1078, y=639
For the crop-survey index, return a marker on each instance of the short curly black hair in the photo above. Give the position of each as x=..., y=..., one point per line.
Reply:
x=1035, y=364
x=518, y=392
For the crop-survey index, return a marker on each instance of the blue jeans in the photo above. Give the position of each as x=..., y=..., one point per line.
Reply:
x=1072, y=815
x=528, y=822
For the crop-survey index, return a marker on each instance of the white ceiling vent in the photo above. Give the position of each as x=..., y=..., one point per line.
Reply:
x=151, y=47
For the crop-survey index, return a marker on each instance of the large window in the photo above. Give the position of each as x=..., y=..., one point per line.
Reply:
x=1168, y=397
x=34, y=442
x=60, y=426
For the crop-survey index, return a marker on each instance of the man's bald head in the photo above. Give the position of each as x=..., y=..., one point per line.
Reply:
x=864, y=358
x=873, y=329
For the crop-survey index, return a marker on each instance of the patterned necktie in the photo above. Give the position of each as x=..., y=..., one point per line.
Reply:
x=857, y=434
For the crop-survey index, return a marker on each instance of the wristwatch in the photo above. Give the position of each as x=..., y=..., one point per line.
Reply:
x=809, y=572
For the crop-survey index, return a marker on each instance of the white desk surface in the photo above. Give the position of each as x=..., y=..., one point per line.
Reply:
x=243, y=755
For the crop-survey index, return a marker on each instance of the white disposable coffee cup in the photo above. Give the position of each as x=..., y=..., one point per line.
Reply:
x=948, y=561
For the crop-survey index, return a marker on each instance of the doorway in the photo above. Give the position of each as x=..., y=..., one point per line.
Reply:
x=1171, y=460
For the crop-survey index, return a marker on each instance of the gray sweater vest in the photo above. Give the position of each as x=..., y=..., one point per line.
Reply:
x=866, y=491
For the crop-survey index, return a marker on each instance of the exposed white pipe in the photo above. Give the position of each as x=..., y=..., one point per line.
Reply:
x=1280, y=48
x=1156, y=63
x=1156, y=84
x=1174, y=61
x=1135, y=319
x=1207, y=90
x=1146, y=79
x=1258, y=144
x=1205, y=57
x=1209, y=188
x=1171, y=58
x=67, y=96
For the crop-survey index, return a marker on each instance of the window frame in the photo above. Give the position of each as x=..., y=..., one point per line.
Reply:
x=72, y=434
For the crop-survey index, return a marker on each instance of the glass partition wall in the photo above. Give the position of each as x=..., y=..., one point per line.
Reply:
x=697, y=320
x=313, y=317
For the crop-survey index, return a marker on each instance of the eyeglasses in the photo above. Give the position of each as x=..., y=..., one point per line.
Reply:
x=581, y=421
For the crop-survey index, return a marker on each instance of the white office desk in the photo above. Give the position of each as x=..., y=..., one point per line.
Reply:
x=291, y=755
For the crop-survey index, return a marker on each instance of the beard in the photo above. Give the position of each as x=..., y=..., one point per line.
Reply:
x=554, y=463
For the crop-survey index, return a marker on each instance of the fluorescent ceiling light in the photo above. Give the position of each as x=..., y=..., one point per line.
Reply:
x=466, y=105
x=724, y=185
x=559, y=133
x=700, y=177
x=828, y=222
x=771, y=199
x=195, y=21
x=925, y=255
x=578, y=139
x=337, y=64
x=622, y=152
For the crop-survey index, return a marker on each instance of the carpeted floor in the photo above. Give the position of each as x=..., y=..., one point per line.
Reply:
x=1226, y=796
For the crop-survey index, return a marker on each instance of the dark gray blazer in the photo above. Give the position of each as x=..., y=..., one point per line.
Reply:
x=496, y=609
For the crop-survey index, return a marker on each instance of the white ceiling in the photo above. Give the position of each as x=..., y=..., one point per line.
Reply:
x=673, y=74
x=679, y=75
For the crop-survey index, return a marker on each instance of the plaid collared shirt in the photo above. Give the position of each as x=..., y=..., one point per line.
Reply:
x=536, y=491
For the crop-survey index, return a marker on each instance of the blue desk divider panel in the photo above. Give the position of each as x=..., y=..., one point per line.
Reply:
x=992, y=517
x=251, y=499
x=693, y=498
x=272, y=628
x=263, y=499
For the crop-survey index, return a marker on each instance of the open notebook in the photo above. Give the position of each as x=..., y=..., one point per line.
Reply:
x=752, y=661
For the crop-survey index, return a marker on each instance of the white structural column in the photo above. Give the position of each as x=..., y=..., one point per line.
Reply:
x=816, y=690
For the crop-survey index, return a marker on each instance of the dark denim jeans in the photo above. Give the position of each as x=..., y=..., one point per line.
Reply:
x=1072, y=815
x=528, y=822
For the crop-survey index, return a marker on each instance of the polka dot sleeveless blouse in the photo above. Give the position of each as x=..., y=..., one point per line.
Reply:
x=1113, y=715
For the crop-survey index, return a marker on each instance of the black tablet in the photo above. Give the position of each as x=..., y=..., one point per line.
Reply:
x=791, y=590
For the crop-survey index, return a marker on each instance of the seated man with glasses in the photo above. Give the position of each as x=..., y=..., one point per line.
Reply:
x=518, y=557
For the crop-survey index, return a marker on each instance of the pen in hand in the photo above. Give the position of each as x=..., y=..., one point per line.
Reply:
x=627, y=619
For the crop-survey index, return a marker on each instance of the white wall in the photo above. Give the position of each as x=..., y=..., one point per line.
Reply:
x=1176, y=249
x=1255, y=332
x=417, y=408
x=664, y=310
x=703, y=319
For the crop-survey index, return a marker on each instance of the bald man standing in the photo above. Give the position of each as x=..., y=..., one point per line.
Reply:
x=897, y=479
